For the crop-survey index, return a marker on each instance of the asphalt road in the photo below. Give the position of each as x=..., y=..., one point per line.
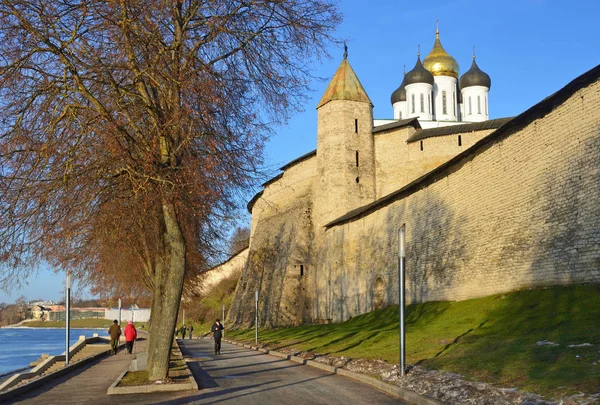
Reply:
x=244, y=376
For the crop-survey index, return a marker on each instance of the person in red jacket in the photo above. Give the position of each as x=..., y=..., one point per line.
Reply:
x=130, y=336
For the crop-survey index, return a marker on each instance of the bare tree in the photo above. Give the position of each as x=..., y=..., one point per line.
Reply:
x=127, y=129
x=239, y=240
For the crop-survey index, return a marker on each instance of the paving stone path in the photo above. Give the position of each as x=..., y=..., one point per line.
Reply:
x=88, y=384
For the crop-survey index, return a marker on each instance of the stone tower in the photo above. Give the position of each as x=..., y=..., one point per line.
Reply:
x=345, y=148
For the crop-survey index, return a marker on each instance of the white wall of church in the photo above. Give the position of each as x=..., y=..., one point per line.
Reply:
x=445, y=89
x=475, y=99
x=418, y=100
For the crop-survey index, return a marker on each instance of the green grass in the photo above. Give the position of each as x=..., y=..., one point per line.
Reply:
x=176, y=367
x=202, y=313
x=491, y=339
x=134, y=378
x=83, y=323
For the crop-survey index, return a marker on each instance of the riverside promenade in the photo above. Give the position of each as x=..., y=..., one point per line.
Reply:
x=88, y=385
x=237, y=376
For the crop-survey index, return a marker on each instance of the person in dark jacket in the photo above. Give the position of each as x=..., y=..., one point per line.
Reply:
x=115, y=333
x=217, y=335
x=130, y=336
x=183, y=332
x=191, y=330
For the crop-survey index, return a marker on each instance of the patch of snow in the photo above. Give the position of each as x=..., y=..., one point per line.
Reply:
x=546, y=343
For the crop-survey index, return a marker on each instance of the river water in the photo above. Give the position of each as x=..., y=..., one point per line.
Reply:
x=20, y=346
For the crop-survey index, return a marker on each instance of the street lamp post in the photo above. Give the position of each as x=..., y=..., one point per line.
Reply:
x=401, y=297
x=67, y=316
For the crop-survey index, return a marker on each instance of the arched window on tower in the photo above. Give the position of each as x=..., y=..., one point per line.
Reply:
x=429, y=103
x=470, y=110
x=478, y=105
x=444, y=108
x=412, y=102
x=485, y=101
x=422, y=99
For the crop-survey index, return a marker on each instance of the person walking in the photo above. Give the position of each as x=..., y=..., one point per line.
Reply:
x=217, y=335
x=115, y=333
x=130, y=335
x=191, y=330
x=182, y=331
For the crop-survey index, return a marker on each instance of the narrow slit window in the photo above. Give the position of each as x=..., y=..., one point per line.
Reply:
x=301, y=270
x=356, y=126
x=485, y=101
x=356, y=158
x=421, y=145
x=470, y=109
x=478, y=105
x=422, y=99
x=454, y=103
x=459, y=140
x=444, y=108
x=412, y=102
x=429, y=103
x=357, y=180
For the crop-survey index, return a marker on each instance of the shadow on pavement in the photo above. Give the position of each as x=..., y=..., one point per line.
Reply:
x=214, y=394
x=260, y=371
x=44, y=386
x=247, y=365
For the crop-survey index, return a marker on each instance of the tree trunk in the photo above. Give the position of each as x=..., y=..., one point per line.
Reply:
x=167, y=295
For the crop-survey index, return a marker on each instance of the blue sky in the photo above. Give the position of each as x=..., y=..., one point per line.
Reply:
x=530, y=49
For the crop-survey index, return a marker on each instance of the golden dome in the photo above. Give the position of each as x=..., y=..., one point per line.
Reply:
x=439, y=62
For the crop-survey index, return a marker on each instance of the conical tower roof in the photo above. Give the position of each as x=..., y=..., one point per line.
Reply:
x=345, y=86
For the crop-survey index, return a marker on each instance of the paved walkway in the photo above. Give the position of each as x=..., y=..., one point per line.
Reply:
x=237, y=376
x=244, y=376
x=88, y=384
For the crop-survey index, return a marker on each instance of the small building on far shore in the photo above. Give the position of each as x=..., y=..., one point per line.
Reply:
x=57, y=313
x=133, y=313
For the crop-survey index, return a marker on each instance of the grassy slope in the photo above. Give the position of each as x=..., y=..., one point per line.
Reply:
x=202, y=314
x=491, y=339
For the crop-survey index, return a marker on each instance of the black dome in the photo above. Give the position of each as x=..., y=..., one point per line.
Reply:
x=400, y=93
x=475, y=77
x=418, y=74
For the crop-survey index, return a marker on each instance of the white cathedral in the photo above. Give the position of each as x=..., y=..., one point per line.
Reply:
x=433, y=93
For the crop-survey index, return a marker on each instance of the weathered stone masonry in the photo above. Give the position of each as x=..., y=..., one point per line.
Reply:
x=515, y=208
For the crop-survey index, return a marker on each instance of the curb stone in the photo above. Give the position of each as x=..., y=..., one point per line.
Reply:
x=298, y=359
x=280, y=355
x=322, y=366
x=143, y=389
x=393, y=390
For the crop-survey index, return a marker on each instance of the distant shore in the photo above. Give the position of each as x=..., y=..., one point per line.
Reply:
x=87, y=323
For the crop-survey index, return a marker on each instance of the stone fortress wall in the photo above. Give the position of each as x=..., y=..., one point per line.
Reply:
x=231, y=268
x=511, y=208
x=280, y=242
x=523, y=210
